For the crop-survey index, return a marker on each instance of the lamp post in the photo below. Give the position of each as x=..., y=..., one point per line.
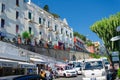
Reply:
x=116, y=38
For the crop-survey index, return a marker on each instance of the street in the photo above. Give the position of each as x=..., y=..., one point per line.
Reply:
x=79, y=77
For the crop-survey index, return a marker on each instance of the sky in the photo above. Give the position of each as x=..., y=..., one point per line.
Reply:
x=81, y=14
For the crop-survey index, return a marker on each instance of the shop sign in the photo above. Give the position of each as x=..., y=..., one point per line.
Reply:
x=115, y=56
x=116, y=53
x=27, y=66
x=8, y=64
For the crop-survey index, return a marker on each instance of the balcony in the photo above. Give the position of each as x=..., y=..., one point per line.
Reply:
x=40, y=25
x=56, y=32
x=49, y=29
x=30, y=20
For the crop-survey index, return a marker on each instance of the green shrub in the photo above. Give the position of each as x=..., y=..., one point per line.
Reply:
x=118, y=73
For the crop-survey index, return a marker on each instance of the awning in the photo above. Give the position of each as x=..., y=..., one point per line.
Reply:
x=26, y=65
x=3, y=34
x=60, y=65
x=38, y=61
x=8, y=63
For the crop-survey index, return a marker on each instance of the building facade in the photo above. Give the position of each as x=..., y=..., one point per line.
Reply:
x=18, y=16
x=79, y=44
x=94, y=48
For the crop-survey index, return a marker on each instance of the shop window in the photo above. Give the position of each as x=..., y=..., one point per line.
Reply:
x=17, y=28
x=2, y=23
x=3, y=8
x=17, y=2
x=30, y=29
x=17, y=14
x=29, y=15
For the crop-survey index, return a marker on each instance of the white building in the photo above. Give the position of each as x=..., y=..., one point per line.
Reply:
x=17, y=16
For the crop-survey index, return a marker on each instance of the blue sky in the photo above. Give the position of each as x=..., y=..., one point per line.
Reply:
x=81, y=14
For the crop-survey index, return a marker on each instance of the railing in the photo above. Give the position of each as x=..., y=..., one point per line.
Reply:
x=40, y=45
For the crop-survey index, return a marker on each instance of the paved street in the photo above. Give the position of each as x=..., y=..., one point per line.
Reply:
x=79, y=77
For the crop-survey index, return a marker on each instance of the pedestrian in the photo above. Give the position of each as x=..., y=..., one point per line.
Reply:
x=51, y=75
x=43, y=75
x=40, y=42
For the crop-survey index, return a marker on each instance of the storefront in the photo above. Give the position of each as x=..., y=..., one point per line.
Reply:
x=40, y=63
x=8, y=67
x=27, y=68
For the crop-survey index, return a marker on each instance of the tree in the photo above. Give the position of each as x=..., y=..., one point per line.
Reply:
x=93, y=55
x=80, y=36
x=87, y=42
x=55, y=15
x=46, y=8
x=106, y=29
x=25, y=35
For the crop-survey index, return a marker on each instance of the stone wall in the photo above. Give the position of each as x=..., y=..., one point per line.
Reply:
x=58, y=54
x=50, y=52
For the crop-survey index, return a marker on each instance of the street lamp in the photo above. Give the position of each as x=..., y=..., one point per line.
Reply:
x=118, y=29
x=116, y=38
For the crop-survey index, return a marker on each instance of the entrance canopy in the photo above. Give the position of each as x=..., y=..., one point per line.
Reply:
x=16, y=64
x=38, y=61
x=8, y=63
x=26, y=65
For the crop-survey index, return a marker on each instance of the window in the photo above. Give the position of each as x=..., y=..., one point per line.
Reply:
x=17, y=28
x=66, y=32
x=70, y=35
x=48, y=24
x=40, y=33
x=30, y=29
x=17, y=2
x=2, y=23
x=17, y=14
x=55, y=27
x=61, y=30
x=3, y=8
x=43, y=21
x=39, y=20
x=29, y=15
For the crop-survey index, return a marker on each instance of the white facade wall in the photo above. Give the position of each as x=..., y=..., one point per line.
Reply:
x=47, y=33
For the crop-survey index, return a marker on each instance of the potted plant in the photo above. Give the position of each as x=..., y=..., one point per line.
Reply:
x=26, y=36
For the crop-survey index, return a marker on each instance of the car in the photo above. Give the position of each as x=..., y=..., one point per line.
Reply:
x=94, y=69
x=66, y=71
x=106, y=63
x=77, y=65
